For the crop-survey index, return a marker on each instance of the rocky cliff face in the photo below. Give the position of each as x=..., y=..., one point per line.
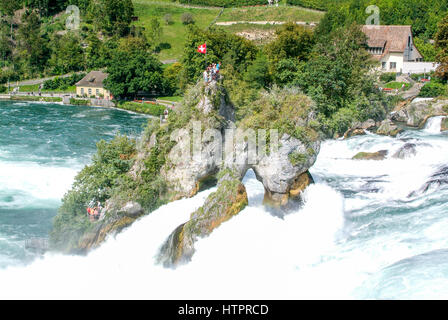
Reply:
x=166, y=166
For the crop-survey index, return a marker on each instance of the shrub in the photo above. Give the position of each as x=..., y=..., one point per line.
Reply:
x=168, y=18
x=78, y=102
x=187, y=18
x=94, y=183
x=2, y=89
x=388, y=77
x=432, y=89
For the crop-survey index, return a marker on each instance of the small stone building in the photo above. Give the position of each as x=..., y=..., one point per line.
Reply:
x=92, y=85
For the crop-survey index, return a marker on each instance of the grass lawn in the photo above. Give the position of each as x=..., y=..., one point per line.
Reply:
x=397, y=85
x=172, y=99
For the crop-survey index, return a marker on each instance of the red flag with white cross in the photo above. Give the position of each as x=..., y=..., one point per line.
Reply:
x=202, y=48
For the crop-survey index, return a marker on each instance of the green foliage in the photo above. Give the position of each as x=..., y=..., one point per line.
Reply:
x=313, y=4
x=172, y=74
x=79, y=102
x=293, y=45
x=67, y=54
x=241, y=93
x=168, y=19
x=441, y=44
x=388, y=77
x=286, y=110
x=422, y=15
x=155, y=31
x=63, y=82
x=94, y=183
x=338, y=77
x=225, y=3
x=257, y=74
x=292, y=41
x=229, y=49
x=297, y=158
x=33, y=52
x=3, y=89
x=187, y=18
x=141, y=72
x=427, y=49
x=112, y=16
x=155, y=110
x=432, y=90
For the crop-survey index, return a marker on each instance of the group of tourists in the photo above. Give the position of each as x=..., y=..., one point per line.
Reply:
x=94, y=212
x=212, y=72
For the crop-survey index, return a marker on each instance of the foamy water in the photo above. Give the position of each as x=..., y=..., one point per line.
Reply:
x=359, y=234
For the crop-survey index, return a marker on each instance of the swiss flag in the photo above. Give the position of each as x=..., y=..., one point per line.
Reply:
x=202, y=48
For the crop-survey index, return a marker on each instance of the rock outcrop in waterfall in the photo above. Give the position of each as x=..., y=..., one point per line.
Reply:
x=417, y=112
x=201, y=142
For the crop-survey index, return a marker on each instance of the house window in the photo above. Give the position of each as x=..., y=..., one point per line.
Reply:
x=90, y=91
x=383, y=65
x=82, y=91
x=393, y=65
x=97, y=92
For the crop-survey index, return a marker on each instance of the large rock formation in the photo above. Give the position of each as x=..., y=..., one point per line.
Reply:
x=174, y=159
x=283, y=172
x=416, y=113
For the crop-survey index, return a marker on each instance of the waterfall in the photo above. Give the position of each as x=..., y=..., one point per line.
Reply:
x=433, y=125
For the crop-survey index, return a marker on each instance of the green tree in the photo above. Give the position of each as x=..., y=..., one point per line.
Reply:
x=292, y=41
x=67, y=54
x=172, y=75
x=339, y=80
x=112, y=16
x=257, y=74
x=427, y=49
x=7, y=8
x=32, y=48
x=441, y=44
x=155, y=32
x=130, y=73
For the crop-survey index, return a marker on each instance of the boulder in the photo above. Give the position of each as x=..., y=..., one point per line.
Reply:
x=359, y=128
x=131, y=209
x=379, y=155
x=280, y=171
x=444, y=125
x=388, y=128
x=406, y=151
x=229, y=199
x=354, y=132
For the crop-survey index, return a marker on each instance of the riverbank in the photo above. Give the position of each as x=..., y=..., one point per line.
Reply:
x=152, y=108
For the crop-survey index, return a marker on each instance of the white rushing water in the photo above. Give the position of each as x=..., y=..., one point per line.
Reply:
x=359, y=234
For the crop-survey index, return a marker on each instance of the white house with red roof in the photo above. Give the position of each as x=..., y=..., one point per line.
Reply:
x=393, y=47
